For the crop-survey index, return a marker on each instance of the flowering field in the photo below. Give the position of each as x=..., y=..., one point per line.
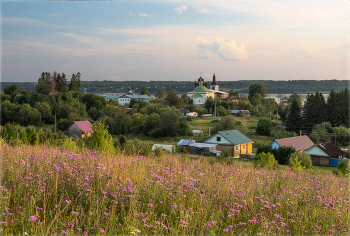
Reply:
x=45, y=191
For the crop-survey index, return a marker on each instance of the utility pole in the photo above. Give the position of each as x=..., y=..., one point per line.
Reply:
x=270, y=115
x=335, y=135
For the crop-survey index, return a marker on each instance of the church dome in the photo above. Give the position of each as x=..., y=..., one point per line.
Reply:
x=200, y=88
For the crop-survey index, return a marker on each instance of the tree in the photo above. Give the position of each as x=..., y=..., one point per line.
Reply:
x=41, y=87
x=100, y=139
x=172, y=98
x=233, y=92
x=61, y=83
x=8, y=112
x=256, y=88
x=209, y=103
x=302, y=157
x=264, y=126
x=161, y=93
x=150, y=123
x=184, y=129
x=45, y=111
x=222, y=111
x=294, y=117
x=296, y=97
x=28, y=115
x=12, y=90
x=314, y=109
x=321, y=133
x=255, y=99
x=145, y=92
x=75, y=82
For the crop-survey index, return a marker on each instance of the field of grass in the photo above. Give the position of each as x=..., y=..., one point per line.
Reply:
x=50, y=191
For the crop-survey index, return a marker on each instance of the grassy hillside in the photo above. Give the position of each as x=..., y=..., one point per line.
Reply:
x=51, y=191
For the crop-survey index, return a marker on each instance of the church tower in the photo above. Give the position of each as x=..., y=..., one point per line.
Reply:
x=214, y=85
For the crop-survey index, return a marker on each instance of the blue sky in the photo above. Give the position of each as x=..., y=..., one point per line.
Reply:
x=176, y=40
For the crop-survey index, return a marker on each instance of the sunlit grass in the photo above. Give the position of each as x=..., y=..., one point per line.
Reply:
x=48, y=191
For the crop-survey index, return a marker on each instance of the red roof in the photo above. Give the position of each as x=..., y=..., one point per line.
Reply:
x=84, y=125
x=300, y=143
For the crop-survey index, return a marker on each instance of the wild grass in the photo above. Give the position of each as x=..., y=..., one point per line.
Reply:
x=50, y=191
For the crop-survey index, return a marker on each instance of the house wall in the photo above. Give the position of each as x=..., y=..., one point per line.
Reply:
x=75, y=130
x=212, y=139
x=275, y=145
x=320, y=161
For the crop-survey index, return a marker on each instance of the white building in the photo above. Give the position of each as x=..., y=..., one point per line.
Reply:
x=200, y=94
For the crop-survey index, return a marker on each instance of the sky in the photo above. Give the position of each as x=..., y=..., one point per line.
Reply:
x=176, y=40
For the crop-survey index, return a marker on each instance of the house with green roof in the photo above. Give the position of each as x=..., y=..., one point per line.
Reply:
x=233, y=141
x=200, y=94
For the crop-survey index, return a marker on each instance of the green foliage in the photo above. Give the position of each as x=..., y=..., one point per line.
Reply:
x=145, y=92
x=184, y=129
x=8, y=112
x=257, y=91
x=100, y=139
x=32, y=136
x=342, y=135
x=28, y=115
x=75, y=82
x=173, y=99
x=300, y=157
x=264, y=126
x=11, y=90
x=343, y=168
x=161, y=94
x=224, y=154
x=265, y=160
x=222, y=111
x=150, y=123
x=190, y=118
x=314, y=109
x=321, y=133
x=158, y=152
x=233, y=93
x=295, y=164
x=281, y=154
x=294, y=121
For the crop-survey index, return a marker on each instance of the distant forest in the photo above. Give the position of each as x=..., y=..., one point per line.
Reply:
x=242, y=86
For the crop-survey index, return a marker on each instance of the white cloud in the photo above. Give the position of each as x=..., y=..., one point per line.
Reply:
x=144, y=14
x=202, y=10
x=131, y=13
x=228, y=50
x=180, y=9
x=56, y=14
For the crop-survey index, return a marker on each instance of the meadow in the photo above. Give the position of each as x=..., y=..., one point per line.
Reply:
x=50, y=191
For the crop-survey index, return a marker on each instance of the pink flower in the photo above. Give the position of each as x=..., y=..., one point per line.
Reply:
x=64, y=232
x=33, y=218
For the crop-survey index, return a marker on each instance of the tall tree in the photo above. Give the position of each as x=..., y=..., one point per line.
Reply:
x=145, y=92
x=172, y=98
x=75, y=82
x=61, y=83
x=254, y=89
x=41, y=87
x=314, y=110
x=161, y=93
x=294, y=117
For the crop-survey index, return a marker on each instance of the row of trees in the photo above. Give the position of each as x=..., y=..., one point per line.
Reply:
x=316, y=111
x=57, y=83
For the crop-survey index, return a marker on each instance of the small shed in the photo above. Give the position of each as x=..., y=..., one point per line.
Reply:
x=80, y=129
x=168, y=148
x=318, y=157
x=185, y=143
x=198, y=148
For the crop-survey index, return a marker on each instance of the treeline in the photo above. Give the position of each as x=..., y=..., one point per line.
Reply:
x=279, y=87
x=317, y=110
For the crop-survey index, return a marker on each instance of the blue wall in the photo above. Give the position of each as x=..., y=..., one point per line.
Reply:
x=334, y=162
x=274, y=145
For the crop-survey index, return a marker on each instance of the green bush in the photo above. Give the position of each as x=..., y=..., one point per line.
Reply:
x=129, y=149
x=158, y=151
x=190, y=118
x=207, y=154
x=343, y=168
x=302, y=157
x=225, y=154
x=295, y=164
x=265, y=160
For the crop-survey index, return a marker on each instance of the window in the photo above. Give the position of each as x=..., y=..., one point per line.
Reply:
x=237, y=148
x=218, y=139
x=243, y=147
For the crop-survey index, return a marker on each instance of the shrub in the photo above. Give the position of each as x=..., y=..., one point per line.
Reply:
x=129, y=149
x=264, y=126
x=304, y=158
x=207, y=154
x=295, y=164
x=265, y=160
x=190, y=118
x=100, y=139
x=225, y=154
x=158, y=151
x=343, y=168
